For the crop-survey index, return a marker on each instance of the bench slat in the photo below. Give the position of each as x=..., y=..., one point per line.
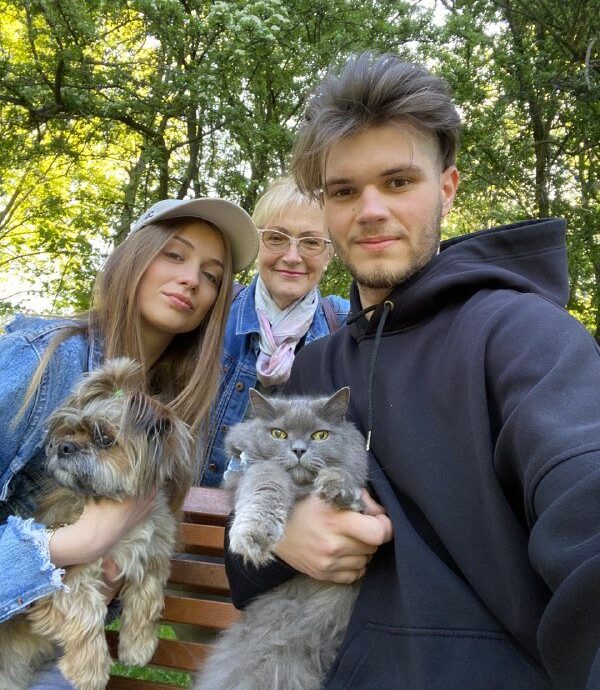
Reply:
x=210, y=577
x=207, y=538
x=176, y=654
x=215, y=615
x=182, y=655
x=208, y=506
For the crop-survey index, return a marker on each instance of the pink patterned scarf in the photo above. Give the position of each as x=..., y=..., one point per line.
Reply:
x=280, y=332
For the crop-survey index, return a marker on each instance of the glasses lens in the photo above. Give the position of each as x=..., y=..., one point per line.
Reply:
x=276, y=241
x=312, y=245
x=279, y=242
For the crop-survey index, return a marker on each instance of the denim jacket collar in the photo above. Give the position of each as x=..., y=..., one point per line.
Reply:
x=247, y=318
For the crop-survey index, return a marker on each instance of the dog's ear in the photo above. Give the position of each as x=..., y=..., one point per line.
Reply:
x=170, y=462
x=115, y=377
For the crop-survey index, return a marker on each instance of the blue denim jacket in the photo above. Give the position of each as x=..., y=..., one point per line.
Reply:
x=27, y=573
x=240, y=352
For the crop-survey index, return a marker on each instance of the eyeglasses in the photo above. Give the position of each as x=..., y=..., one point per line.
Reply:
x=276, y=241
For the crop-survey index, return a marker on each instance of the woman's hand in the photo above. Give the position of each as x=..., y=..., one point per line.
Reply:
x=99, y=528
x=331, y=544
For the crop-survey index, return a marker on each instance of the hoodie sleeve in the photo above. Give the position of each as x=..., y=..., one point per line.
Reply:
x=544, y=374
x=246, y=581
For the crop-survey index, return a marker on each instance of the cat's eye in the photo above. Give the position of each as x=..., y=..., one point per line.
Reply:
x=320, y=435
x=278, y=433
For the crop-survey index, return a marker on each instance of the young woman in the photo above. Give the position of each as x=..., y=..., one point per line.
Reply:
x=161, y=298
x=277, y=314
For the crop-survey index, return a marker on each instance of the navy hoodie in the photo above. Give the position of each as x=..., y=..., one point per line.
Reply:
x=482, y=399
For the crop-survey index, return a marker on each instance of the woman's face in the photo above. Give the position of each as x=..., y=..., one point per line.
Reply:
x=180, y=284
x=289, y=276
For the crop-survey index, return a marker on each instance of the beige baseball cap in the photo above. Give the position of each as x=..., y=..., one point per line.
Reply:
x=230, y=218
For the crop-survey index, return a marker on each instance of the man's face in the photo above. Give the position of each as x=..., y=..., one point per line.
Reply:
x=384, y=198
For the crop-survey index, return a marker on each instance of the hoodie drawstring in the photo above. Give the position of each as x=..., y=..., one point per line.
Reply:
x=388, y=305
x=387, y=308
x=351, y=318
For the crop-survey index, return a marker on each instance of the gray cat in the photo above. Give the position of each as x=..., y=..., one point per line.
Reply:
x=289, y=637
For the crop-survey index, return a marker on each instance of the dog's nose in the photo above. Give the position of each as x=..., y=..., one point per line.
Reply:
x=66, y=448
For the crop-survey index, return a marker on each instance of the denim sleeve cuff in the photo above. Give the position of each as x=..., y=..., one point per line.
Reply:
x=28, y=573
x=32, y=532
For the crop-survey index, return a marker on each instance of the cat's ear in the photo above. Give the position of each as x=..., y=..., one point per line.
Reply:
x=261, y=406
x=335, y=408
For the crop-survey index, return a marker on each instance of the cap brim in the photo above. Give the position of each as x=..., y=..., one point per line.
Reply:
x=230, y=218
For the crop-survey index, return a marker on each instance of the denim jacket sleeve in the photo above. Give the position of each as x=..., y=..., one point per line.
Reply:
x=27, y=573
x=18, y=361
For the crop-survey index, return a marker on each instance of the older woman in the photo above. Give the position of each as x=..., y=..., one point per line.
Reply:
x=279, y=312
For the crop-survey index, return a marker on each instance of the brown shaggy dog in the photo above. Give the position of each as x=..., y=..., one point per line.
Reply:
x=109, y=440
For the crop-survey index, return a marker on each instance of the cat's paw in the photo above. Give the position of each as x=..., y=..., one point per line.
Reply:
x=254, y=541
x=331, y=489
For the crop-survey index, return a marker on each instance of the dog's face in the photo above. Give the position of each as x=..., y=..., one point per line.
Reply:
x=110, y=439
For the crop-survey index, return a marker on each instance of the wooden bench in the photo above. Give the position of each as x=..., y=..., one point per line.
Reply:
x=197, y=603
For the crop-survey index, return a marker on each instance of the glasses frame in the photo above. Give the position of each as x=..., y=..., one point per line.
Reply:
x=293, y=240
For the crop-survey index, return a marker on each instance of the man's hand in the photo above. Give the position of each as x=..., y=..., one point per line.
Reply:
x=331, y=544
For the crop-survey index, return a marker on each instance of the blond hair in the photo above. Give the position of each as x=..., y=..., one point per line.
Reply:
x=281, y=196
x=187, y=374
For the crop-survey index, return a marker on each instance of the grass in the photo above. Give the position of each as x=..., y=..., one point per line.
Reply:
x=159, y=675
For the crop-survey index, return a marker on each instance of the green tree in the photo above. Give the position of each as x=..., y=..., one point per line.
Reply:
x=106, y=107
x=111, y=106
x=528, y=77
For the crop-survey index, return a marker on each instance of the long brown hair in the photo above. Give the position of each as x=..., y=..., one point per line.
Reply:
x=187, y=374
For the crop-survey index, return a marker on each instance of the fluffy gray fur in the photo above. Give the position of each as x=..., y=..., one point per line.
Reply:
x=289, y=637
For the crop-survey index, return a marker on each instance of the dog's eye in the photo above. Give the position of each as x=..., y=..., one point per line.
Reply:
x=103, y=439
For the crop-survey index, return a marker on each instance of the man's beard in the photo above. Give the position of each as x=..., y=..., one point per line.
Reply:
x=378, y=277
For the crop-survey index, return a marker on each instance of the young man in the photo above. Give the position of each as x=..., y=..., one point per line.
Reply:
x=480, y=399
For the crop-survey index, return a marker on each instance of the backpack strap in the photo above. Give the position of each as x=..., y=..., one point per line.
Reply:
x=330, y=316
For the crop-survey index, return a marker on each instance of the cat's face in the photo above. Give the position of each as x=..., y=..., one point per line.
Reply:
x=303, y=435
x=301, y=441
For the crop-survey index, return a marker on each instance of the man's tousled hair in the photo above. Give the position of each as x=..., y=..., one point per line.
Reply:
x=372, y=90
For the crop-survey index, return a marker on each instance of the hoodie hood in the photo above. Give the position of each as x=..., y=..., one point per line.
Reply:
x=529, y=256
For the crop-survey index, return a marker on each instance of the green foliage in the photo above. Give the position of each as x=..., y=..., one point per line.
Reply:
x=106, y=107
x=528, y=80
